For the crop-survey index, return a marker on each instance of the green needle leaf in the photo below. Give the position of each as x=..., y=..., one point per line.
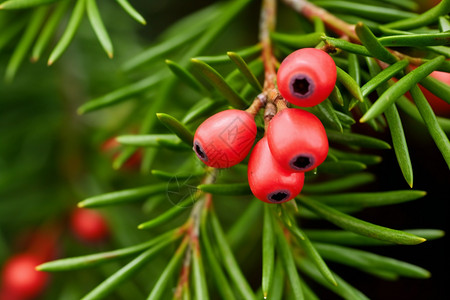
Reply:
x=202, y=109
x=225, y=59
x=411, y=110
x=219, y=277
x=367, y=159
x=219, y=83
x=124, y=196
x=49, y=29
x=423, y=19
x=176, y=127
x=250, y=218
x=230, y=189
x=146, y=140
x=370, y=199
x=21, y=4
x=37, y=18
x=349, y=83
x=401, y=87
x=383, y=76
x=163, y=175
x=345, y=290
x=199, y=277
x=123, y=94
x=364, y=260
x=99, y=28
x=341, y=167
x=312, y=253
x=245, y=70
x=285, y=252
x=444, y=24
x=440, y=138
x=437, y=87
x=372, y=44
x=413, y=40
x=358, y=226
x=131, y=11
x=185, y=76
x=327, y=111
x=69, y=33
x=111, y=283
x=277, y=288
x=173, y=212
x=352, y=239
x=372, y=12
x=268, y=250
x=399, y=142
x=347, y=46
x=229, y=262
x=164, y=279
x=339, y=184
x=336, y=96
x=356, y=139
x=298, y=41
x=91, y=260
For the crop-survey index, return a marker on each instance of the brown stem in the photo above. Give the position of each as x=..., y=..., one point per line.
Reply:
x=266, y=26
x=310, y=10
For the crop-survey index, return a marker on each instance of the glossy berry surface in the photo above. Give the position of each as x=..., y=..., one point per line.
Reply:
x=89, y=225
x=224, y=139
x=20, y=279
x=297, y=140
x=268, y=181
x=306, y=77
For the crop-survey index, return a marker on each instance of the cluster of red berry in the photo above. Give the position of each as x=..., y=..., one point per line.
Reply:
x=19, y=278
x=295, y=140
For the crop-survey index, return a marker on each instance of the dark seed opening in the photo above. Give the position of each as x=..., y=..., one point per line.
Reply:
x=279, y=196
x=199, y=151
x=301, y=162
x=301, y=86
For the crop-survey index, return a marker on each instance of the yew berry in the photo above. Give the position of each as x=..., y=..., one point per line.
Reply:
x=297, y=140
x=224, y=139
x=268, y=181
x=89, y=225
x=306, y=77
x=20, y=279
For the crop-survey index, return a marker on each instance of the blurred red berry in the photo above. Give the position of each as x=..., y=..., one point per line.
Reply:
x=297, y=140
x=20, y=279
x=112, y=146
x=268, y=181
x=224, y=139
x=89, y=225
x=306, y=77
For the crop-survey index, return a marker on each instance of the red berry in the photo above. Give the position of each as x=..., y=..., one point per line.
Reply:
x=89, y=225
x=112, y=146
x=20, y=279
x=268, y=181
x=439, y=106
x=297, y=140
x=306, y=77
x=224, y=139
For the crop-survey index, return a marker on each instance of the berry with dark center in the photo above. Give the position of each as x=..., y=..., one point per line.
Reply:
x=225, y=139
x=268, y=181
x=297, y=140
x=306, y=77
